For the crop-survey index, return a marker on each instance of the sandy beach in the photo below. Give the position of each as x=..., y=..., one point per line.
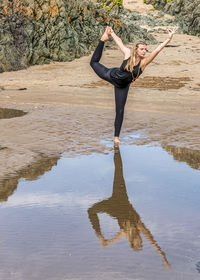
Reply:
x=71, y=111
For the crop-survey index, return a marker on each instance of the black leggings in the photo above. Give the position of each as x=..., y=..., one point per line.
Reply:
x=120, y=93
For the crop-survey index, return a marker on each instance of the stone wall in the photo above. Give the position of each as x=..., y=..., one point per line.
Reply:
x=40, y=31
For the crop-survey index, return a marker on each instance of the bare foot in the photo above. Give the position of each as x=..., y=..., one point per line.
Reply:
x=105, y=34
x=116, y=141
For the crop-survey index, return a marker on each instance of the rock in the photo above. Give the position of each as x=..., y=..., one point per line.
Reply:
x=40, y=31
x=187, y=13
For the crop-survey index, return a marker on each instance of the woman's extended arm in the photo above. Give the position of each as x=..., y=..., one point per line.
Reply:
x=150, y=57
x=126, y=51
x=142, y=228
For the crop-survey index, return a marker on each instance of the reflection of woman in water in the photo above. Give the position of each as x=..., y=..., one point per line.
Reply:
x=119, y=207
x=132, y=67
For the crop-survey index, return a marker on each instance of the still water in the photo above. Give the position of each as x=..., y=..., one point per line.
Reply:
x=132, y=213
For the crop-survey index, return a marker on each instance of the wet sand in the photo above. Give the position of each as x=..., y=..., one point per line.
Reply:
x=70, y=110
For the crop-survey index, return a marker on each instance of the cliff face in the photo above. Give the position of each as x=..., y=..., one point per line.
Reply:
x=187, y=13
x=40, y=31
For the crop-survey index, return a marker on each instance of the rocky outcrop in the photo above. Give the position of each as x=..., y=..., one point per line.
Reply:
x=187, y=13
x=40, y=31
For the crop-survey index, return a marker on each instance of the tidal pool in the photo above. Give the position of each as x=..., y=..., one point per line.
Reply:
x=128, y=214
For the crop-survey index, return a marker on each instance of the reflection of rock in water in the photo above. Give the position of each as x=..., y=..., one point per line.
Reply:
x=191, y=157
x=6, y=113
x=32, y=172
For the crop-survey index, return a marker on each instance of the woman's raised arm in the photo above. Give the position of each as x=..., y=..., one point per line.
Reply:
x=126, y=51
x=150, y=57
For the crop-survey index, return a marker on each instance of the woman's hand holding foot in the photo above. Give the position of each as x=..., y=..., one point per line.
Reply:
x=106, y=34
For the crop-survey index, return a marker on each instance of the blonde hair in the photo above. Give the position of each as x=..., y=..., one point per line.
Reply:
x=131, y=62
x=133, y=234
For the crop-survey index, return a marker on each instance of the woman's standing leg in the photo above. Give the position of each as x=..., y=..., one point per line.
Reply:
x=120, y=101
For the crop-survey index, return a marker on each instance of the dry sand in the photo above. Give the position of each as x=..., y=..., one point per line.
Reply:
x=71, y=111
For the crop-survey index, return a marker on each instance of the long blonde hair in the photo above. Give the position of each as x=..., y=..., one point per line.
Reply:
x=131, y=62
x=133, y=234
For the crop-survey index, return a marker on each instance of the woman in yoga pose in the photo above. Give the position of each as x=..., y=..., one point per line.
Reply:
x=132, y=67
